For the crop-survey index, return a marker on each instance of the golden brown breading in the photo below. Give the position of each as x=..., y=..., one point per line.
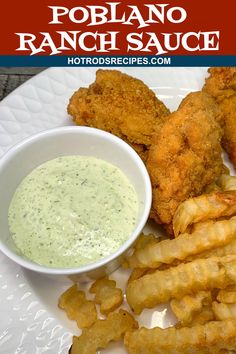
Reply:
x=185, y=155
x=196, y=101
x=119, y=104
x=222, y=86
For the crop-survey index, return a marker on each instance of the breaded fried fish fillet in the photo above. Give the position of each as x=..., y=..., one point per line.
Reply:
x=119, y=104
x=185, y=155
x=221, y=84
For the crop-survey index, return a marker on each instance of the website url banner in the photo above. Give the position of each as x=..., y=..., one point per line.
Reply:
x=113, y=61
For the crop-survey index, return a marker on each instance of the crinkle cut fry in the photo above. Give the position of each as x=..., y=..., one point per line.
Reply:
x=229, y=249
x=204, y=316
x=138, y=273
x=202, y=208
x=211, y=338
x=186, y=308
x=227, y=295
x=143, y=240
x=77, y=307
x=224, y=311
x=188, y=278
x=102, y=332
x=106, y=294
x=212, y=236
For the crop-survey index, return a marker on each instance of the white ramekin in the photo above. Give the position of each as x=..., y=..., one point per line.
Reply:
x=21, y=159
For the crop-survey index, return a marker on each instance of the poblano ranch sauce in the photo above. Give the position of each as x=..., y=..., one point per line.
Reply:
x=71, y=211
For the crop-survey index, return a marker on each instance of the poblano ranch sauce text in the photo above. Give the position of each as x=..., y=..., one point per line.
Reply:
x=72, y=211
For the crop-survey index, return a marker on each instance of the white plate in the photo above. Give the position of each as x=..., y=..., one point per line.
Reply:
x=30, y=321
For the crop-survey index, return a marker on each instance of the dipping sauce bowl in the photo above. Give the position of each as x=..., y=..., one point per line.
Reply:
x=24, y=157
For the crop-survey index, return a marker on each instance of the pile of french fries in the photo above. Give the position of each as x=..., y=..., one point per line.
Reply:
x=96, y=332
x=195, y=272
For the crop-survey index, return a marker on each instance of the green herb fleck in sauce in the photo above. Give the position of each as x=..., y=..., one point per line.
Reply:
x=72, y=211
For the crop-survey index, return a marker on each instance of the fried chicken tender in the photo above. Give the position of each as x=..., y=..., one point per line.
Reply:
x=119, y=104
x=221, y=84
x=185, y=155
x=212, y=338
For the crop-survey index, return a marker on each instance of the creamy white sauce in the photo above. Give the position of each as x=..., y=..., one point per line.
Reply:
x=72, y=211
